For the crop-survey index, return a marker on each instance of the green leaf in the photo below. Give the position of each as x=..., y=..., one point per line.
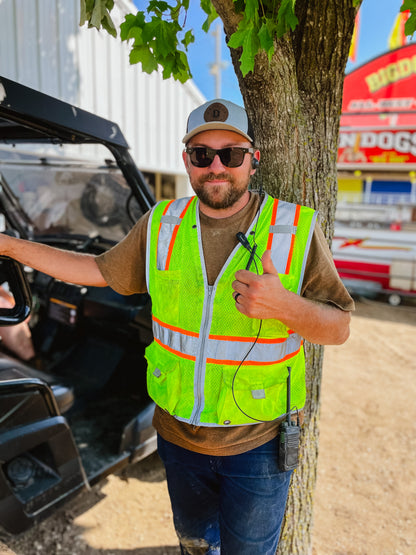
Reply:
x=209, y=9
x=188, y=39
x=131, y=22
x=168, y=66
x=266, y=40
x=156, y=6
x=410, y=25
x=246, y=36
x=252, y=10
x=250, y=48
x=239, y=6
x=108, y=25
x=163, y=35
x=238, y=37
x=183, y=73
x=100, y=16
x=85, y=10
x=145, y=56
x=136, y=33
x=97, y=14
x=408, y=5
x=176, y=65
x=286, y=18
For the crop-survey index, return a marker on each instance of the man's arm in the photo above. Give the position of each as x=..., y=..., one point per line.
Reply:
x=264, y=297
x=74, y=267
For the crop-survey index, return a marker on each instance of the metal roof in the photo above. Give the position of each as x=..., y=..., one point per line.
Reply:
x=29, y=115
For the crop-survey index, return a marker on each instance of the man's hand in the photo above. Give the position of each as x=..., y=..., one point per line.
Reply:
x=264, y=297
x=260, y=296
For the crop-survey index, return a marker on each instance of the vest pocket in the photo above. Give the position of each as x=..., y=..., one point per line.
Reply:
x=166, y=293
x=163, y=381
x=251, y=400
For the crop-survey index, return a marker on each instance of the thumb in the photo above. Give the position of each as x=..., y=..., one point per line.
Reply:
x=268, y=266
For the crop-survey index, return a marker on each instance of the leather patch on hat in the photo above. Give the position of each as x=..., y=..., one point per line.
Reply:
x=216, y=112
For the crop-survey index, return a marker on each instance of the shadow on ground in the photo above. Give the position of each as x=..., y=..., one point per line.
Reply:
x=58, y=535
x=380, y=309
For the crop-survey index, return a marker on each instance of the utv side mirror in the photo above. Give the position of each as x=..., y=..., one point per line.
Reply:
x=14, y=285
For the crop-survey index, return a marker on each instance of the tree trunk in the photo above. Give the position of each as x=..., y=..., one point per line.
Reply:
x=294, y=103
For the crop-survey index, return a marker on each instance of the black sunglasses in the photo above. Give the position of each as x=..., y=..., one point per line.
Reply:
x=231, y=157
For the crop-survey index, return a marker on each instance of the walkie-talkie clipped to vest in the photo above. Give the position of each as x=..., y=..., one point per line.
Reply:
x=289, y=436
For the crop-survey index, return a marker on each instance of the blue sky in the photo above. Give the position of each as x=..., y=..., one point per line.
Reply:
x=377, y=17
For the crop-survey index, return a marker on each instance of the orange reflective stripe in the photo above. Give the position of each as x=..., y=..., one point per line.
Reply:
x=174, y=351
x=174, y=328
x=292, y=242
x=175, y=231
x=265, y=340
x=160, y=225
x=248, y=339
x=186, y=342
x=297, y=214
x=273, y=221
x=252, y=362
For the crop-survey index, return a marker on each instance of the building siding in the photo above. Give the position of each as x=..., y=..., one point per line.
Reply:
x=43, y=47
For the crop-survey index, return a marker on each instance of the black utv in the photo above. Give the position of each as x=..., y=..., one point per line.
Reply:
x=77, y=409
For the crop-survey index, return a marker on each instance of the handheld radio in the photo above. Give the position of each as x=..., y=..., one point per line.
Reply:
x=289, y=437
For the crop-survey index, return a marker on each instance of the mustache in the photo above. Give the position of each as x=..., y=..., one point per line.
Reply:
x=213, y=176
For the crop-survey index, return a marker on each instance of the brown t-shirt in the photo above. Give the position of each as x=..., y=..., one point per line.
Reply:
x=124, y=269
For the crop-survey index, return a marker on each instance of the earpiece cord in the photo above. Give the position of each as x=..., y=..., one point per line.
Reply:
x=257, y=218
x=261, y=321
x=252, y=250
x=235, y=375
x=233, y=393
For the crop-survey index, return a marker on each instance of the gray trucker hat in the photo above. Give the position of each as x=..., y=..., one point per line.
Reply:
x=218, y=114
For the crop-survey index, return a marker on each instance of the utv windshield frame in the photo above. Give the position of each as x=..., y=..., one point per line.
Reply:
x=27, y=115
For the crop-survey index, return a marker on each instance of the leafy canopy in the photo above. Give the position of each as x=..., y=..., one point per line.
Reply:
x=410, y=25
x=97, y=14
x=159, y=35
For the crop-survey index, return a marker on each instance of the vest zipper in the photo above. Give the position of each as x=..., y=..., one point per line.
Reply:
x=200, y=366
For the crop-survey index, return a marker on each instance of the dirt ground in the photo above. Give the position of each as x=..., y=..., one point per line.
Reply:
x=365, y=501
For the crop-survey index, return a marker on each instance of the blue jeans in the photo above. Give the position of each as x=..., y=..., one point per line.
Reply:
x=233, y=505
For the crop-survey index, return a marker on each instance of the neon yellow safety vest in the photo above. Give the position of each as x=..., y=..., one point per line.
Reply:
x=205, y=366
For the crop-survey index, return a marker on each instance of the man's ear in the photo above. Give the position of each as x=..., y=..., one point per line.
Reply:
x=255, y=162
x=185, y=160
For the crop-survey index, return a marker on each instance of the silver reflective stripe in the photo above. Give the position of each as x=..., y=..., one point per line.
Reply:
x=258, y=394
x=180, y=342
x=148, y=245
x=307, y=247
x=168, y=222
x=282, y=240
x=223, y=351
x=283, y=229
x=200, y=364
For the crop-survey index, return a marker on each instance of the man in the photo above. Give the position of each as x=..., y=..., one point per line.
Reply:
x=237, y=279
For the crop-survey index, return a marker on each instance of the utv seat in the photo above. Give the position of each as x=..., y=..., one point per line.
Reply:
x=11, y=369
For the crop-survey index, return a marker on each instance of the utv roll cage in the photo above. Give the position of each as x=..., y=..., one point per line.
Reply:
x=28, y=115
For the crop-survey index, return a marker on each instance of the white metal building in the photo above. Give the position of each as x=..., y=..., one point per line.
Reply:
x=43, y=46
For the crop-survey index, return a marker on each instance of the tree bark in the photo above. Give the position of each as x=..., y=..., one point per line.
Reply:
x=294, y=103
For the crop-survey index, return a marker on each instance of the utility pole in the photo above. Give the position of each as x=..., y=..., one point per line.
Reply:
x=217, y=67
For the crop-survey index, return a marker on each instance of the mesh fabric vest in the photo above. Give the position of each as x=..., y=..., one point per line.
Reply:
x=209, y=364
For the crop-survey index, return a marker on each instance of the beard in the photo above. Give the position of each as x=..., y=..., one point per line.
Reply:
x=219, y=196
